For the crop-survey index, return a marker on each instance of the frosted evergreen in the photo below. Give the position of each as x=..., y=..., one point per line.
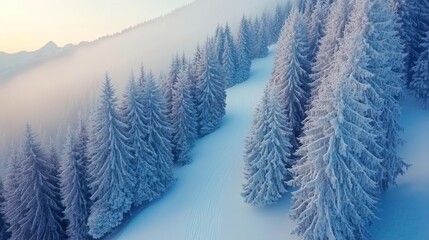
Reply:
x=420, y=83
x=386, y=62
x=184, y=117
x=3, y=234
x=340, y=155
x=336, y=21
x=244, y=51
x=11, y=207
x=317, y=24
x=219, y=39
x=74, y=188
x=268, y=152
x=210, y=93
x=415, y=25
x=229, y=58
x=291, y=69
x=111, y=176
x=39, y=210
x=167, y=85
x=278, y=22
x=158, y=136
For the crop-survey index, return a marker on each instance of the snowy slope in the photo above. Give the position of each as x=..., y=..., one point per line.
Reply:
x=405, y=209
x=205, y=202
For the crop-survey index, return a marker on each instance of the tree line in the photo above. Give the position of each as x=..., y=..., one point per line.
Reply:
x=123, y=155
x=327, y=126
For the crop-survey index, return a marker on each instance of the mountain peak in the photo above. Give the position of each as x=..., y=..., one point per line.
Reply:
x=50, y=45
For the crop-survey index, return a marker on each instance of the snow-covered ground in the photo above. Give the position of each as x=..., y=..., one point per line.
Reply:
x=405, y=209
x=205, y=202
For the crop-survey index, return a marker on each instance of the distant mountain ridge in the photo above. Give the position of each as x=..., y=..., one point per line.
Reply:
x=12, y=64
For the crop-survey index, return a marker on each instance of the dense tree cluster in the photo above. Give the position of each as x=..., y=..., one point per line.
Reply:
x=343, y=64
x=123, y=155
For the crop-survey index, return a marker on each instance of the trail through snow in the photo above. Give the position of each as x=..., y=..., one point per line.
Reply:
x=205, y=202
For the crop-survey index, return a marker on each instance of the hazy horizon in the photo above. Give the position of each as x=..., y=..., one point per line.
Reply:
x=30, y=24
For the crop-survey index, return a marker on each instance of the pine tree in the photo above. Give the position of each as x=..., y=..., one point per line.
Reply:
x=317, y=24
x=158, y=153
x=219, y=43
x=134, y=111
x=184, y=117
x=167, y=86
x=243, y=51
x=12, y=208
x=268, y=153
x=336, y=22
x=278, y=22
x=229, y=58
x=111, y=177
x=291, y=69
x=415, y=26
x=40, y=216
x=263, y=37
x=74, y=189
x=340, y=156
x=3, y=234
x=255, y=27
x=386, y=62
x=420, y=82
x=210, y=93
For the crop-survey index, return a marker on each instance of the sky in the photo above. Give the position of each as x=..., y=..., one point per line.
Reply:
x=28, y=24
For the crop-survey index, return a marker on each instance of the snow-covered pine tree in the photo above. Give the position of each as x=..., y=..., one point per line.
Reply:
x=254, y=26
x=134, y=112
x=158, y=153
x=3, y=234
x=420, y=83
x=278, y=22
x=268, y=152
x=54, y=159
x=111, y=176
x=219, y=40
x=339, y=166
x=74, y=189
x=12, y=208
x=184, y=117
x=142, y=77
x=415, y=25
x=263, y=37
x=290, y=73
x=210, y=93
x=167, y=85
x=81, y=151
x=229, y=58
x=336, y=21
x=40, y=215
x=243, y=51
x=386, y=63
x=317, y=24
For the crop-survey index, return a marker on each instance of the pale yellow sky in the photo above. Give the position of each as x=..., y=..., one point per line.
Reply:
x=29, y=24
